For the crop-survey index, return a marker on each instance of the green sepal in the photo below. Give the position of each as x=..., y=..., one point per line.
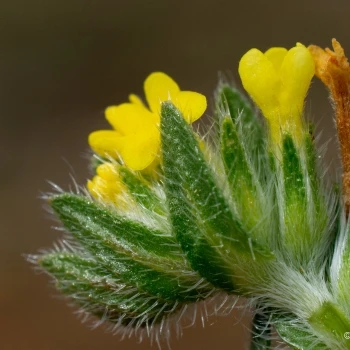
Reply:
x=305, y=213
x=341, y=275
x=244, y=187
x=296, y=231
x=141, y=191
x=148, y=259
x=237, y=105
x=230, y=101
x=314, y=181
x=311, y=163
x=321, y=209
x=100, y=292
x=294, y=182
x=296, y=337
x=261, y=332
x=202, y=220
x=233, y=155
x=318, y=192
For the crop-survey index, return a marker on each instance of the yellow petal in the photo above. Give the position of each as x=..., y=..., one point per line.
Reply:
x=260, y=80
x=297, y=70
x=276, y=56
x=97, y=187
x=153, y=170
x=134, y=99
x=105, y=143
x=104, y=190
x=91, y=185
x=159, y=87
x=191, y=104
x=129, y=118
x=140, y=150
x=108, y=172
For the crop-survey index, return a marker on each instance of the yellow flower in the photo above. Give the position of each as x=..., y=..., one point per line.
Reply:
x=136, y=137
x=106, y=185
x=278, y=81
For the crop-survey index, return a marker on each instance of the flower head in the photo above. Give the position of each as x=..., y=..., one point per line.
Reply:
x=278, y=81
x=136, y=138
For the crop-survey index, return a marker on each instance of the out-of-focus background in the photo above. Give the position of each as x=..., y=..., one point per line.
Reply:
x=61, y=63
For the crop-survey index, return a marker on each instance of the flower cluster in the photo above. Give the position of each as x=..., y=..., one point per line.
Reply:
x=175, y=218
x=278, y=81
x=135, y=139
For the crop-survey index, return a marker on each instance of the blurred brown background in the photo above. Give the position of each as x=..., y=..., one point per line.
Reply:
x=61, y=63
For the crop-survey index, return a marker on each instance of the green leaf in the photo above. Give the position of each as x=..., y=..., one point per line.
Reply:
x=202, y=220
x=100, y=292
x=331, y=321
x=140, y=256
x=296, y=337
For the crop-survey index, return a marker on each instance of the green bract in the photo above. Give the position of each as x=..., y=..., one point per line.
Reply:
x=226, y=215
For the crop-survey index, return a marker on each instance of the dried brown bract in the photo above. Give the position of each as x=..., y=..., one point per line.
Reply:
x=332, y=67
